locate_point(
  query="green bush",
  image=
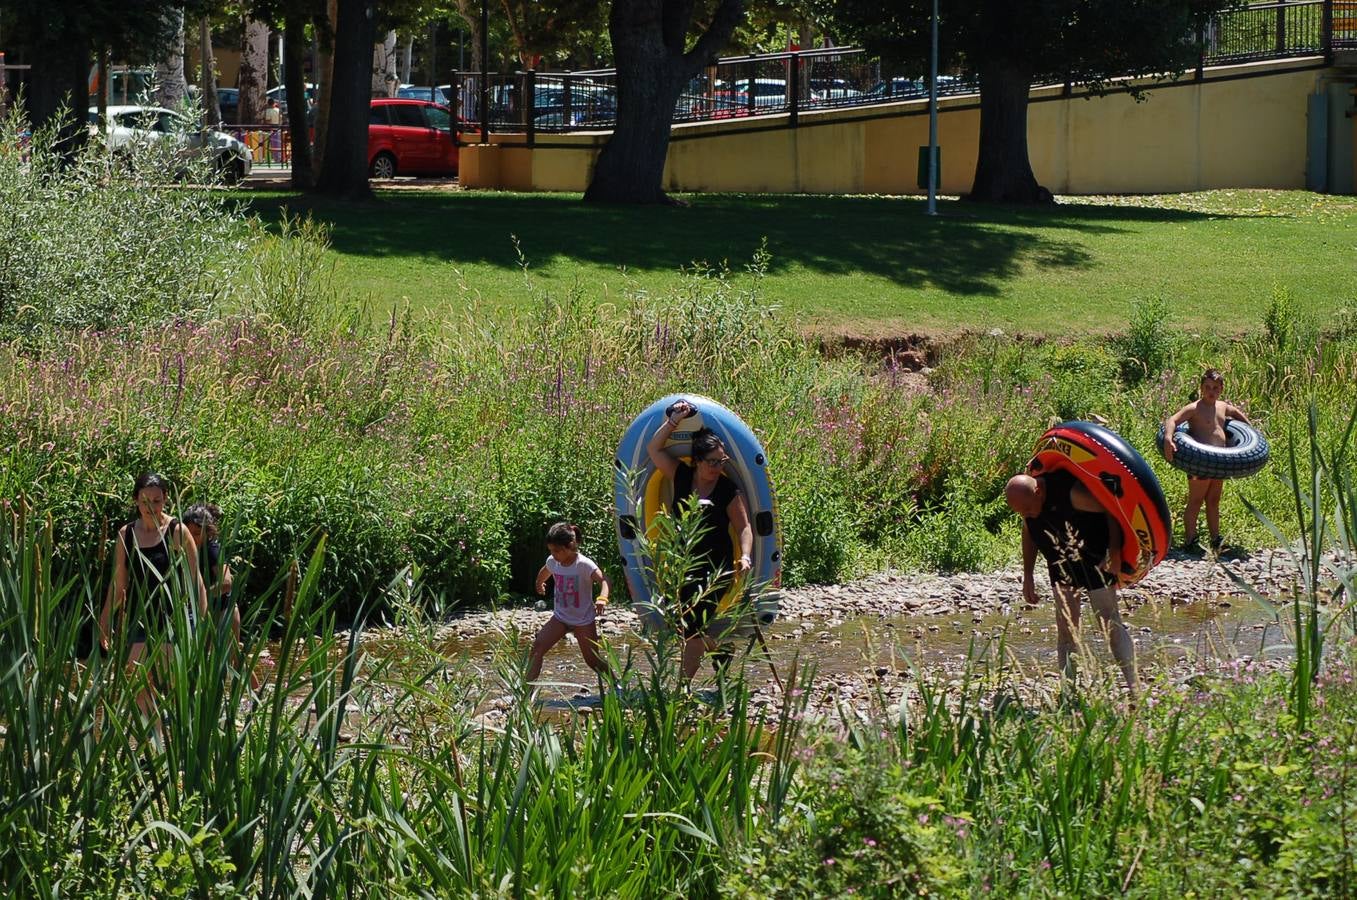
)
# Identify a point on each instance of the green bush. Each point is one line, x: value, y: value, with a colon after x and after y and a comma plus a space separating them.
x: 820, y: 529
x: 953, y: 537
x: 857, y: 829
x: 1281, y: 321
x: 1149, y: 346
x: 89, y: 245
x: 1083, y: 380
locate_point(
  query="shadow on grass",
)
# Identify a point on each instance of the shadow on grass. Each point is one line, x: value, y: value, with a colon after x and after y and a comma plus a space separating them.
x: 969, y: 249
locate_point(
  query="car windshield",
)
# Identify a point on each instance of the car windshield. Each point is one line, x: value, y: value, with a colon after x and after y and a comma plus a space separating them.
x: 415, y: 92
x: 141, y: 119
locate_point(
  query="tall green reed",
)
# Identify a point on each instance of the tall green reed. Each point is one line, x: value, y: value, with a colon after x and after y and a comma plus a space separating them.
x: 1323, y: 498
x: 215, y: 791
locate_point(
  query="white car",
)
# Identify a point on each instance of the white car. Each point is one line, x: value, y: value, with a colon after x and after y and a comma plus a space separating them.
x: 148, y: 126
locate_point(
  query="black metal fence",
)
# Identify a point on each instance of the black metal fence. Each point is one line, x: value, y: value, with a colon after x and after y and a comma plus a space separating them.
x: 735, y: 87
x: 1266, y: 31
x: 792, y: 83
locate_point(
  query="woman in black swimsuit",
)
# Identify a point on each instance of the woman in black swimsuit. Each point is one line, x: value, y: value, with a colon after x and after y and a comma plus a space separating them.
x: 723, y: 509
x: 141, y: 597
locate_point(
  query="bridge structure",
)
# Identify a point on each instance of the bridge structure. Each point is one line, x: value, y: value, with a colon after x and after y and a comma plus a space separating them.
x: 1269, y: 104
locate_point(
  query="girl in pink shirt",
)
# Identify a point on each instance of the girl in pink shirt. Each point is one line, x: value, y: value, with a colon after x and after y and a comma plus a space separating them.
x: 573, y: 575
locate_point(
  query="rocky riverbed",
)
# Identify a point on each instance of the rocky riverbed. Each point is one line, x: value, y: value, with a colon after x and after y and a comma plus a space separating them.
x: 872, y: 639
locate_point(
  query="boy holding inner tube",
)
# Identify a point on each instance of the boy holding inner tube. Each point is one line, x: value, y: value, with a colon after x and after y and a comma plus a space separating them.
x: 1072, y: 530
x: 1205, y: 418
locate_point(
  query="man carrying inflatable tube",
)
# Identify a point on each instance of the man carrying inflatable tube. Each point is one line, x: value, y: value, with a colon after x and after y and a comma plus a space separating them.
x: 1076, y: 535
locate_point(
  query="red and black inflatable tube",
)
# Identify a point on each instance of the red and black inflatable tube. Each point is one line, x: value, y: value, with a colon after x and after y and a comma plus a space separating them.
x: 1119, y: 478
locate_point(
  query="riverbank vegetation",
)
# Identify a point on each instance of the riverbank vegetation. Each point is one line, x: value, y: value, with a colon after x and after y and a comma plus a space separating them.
x: 354, y: 774
x: 448, y: 448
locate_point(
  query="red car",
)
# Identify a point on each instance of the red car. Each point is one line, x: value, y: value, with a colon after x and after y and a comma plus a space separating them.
x: 410, y: 137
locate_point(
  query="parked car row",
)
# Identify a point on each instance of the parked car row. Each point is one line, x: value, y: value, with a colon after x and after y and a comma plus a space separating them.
x: 410, y: 136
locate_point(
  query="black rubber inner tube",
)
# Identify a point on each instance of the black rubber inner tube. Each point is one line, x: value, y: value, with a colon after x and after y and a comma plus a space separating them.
x: 1245, y: 455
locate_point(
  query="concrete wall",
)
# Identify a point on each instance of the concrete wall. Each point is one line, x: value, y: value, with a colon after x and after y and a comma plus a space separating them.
x: 1242, y: 126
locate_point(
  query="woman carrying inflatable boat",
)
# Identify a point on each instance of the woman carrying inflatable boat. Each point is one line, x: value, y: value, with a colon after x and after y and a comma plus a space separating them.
x: 723, y: 511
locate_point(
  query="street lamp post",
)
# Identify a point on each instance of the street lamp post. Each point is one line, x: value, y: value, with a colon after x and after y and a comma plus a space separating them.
x: 485, y: 73
x: 933, y: 118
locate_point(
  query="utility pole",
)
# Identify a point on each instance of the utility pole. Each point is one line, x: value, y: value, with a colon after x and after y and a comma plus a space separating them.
x: 485, y: 73
x: 933, y: 118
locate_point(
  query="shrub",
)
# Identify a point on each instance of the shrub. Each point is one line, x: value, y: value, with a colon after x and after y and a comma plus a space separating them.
x: 858, y: 829
x: 954, y: 536
x: 1148, y: 347
x: 1083, y: 380
x: 94, y: 246
x: 820, y: 528
x: 1281, y: 321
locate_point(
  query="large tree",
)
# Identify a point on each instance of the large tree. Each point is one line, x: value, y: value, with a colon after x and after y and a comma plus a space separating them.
x: 254, y: 70
x: 344, y: 168
x: 1012, y: 44
x: 59, y: 38
x: 655, y: 62
x: 171, y: 87
x: 550, y: 30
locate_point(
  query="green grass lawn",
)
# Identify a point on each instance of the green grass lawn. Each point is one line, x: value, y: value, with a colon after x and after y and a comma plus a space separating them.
x: 870, y: 266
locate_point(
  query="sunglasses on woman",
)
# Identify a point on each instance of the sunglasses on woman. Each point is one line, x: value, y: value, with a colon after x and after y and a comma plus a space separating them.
x: 716, y: 461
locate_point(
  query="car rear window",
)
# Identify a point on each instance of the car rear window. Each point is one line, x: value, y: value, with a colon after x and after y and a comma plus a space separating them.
x: 377, y: 116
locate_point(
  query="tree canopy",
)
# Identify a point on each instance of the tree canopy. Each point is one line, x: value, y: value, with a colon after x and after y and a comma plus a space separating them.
x: 60, y: 38
x: 1012, y: 44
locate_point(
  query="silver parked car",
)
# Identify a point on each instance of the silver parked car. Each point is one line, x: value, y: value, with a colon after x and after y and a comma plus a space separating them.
x: 150, y: 126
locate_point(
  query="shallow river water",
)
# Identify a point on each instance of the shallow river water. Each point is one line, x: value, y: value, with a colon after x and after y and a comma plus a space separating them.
x: 870, y: 640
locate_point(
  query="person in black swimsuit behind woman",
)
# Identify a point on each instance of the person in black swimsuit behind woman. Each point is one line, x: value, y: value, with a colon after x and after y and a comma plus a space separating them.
x: 142, y: 568
x: 723, y: 507
x: 203, y: 522
x: 1073, y: 531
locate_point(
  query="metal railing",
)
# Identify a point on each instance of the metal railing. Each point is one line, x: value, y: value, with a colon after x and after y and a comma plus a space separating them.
x: 1266, y: 31
x: 789, y: 84
x: 735, y: 87
x: 1341, y: 25
x: 270, y: 145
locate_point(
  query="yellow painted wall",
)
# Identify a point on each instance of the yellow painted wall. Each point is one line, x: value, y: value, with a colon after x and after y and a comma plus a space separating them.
x: 1244, y: 126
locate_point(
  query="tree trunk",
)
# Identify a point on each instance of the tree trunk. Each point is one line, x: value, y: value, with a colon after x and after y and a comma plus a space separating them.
x: 345, y: 172
x: 325, y: 77
x: 1003, y: 171
x: 169, y: 70
x: 58, y: 91
x: 630, y: 168
x: 384, y: 67
x: 254, y: 72
x: 208, y: 74
x: 654, y: 64
x: 294, y: 72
